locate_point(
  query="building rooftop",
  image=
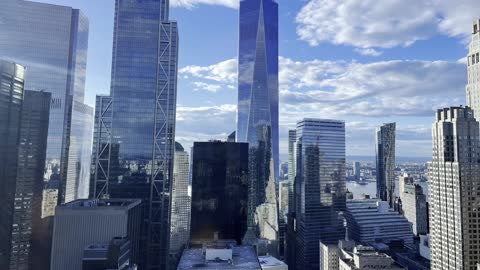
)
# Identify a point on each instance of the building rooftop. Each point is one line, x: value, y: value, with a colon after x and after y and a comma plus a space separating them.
x: 242, y: 258
x: 269, y: 262
x: 366, y: 257
x: 101, y: 203
x: 372, y: 212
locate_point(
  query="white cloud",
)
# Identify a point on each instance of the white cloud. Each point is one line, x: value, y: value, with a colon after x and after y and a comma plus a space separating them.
x: 209, y: 112
x: 383, y: 24
x: 369, y: 52
x: 397, y: 87
x: 192, y: 3
x: 206, y: 86
x: 372, y: 92
x: 379, y: 89
x: 225, y: 71
x: 204, y: 123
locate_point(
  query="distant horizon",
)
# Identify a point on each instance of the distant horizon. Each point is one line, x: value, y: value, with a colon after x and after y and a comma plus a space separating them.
x: 399, y: 159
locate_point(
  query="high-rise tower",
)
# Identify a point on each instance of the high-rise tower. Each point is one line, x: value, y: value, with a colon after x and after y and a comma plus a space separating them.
x: 181, y: 203
x: 257, y: 118
x: 320, y: 190
x: 454, y: 181
x: 473, y: 67
x: 12, y: 80
x: 135, y: 126
x: 385, y: 159
x: 51, y: 41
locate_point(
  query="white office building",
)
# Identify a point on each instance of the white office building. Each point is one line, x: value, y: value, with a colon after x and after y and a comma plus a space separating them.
x: 473, y: 68
x: 454, y: 183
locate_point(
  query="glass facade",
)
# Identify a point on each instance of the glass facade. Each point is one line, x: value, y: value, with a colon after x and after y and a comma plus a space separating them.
x: 320, y: 188
x: 52, y: 42
x: 257, y: 118
x: 135, y: 126
x: 32, y: 149
x: 219, y: 190
x: 12, y: 80
x: 385, y: 160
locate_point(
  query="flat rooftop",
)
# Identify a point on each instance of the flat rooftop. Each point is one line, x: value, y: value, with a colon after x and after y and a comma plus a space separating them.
x: 244, y: 258
x: 269, y: 262
x: 95, y: 203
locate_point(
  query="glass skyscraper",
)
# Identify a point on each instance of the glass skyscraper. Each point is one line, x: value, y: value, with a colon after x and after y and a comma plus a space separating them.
x: 320, y: 189
x: 12, y: 81
x: 135, y: 126
x: 219, y: 190
x: 385, y: 161
x: 32, y: 150
x: 51, y: 41
x: 257, y: 118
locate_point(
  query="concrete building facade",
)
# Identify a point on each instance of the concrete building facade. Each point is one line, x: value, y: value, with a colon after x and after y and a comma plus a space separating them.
x: 454, y: 178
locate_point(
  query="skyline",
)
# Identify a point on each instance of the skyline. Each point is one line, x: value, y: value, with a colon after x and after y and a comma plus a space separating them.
x: 314, y: 80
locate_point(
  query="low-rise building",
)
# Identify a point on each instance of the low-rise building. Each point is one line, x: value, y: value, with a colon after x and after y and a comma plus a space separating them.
x: 366, y: 258
x: 80, y: 223
x: 223, y: 255
x: 113, y: 256
x: 370, y: 221
x: 271, y: 263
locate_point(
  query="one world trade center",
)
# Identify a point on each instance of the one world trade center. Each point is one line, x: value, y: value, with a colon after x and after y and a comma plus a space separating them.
x: 257, y: 118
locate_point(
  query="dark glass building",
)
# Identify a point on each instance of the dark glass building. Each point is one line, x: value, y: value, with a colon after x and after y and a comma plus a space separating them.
x: 135, y: 126
x: 23, y: 129
x: 29, y: 186
x: 11, y: 100
x: 385, y: 161
x: 257, y: 118
x: 320, y: 191
x: 219, y: 190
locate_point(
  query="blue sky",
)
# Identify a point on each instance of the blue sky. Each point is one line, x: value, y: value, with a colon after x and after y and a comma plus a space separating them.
x: 363, y: 61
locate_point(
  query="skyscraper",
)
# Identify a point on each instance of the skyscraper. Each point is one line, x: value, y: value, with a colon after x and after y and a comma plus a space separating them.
x: 385, y: 160
x: 181, y: 202
x: 356, y: 170
x: 32, y: 149
x: 257, y: 118
x: 320, y: 189
x: 454, y: 181
x: 283, y: 200
x: 292, y: 165
x: 473, y: 67
x: 414, y: 205
x: 135, y: 126
x: 219, y: 190
x: 51, y: 41
x: 12, y: 81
